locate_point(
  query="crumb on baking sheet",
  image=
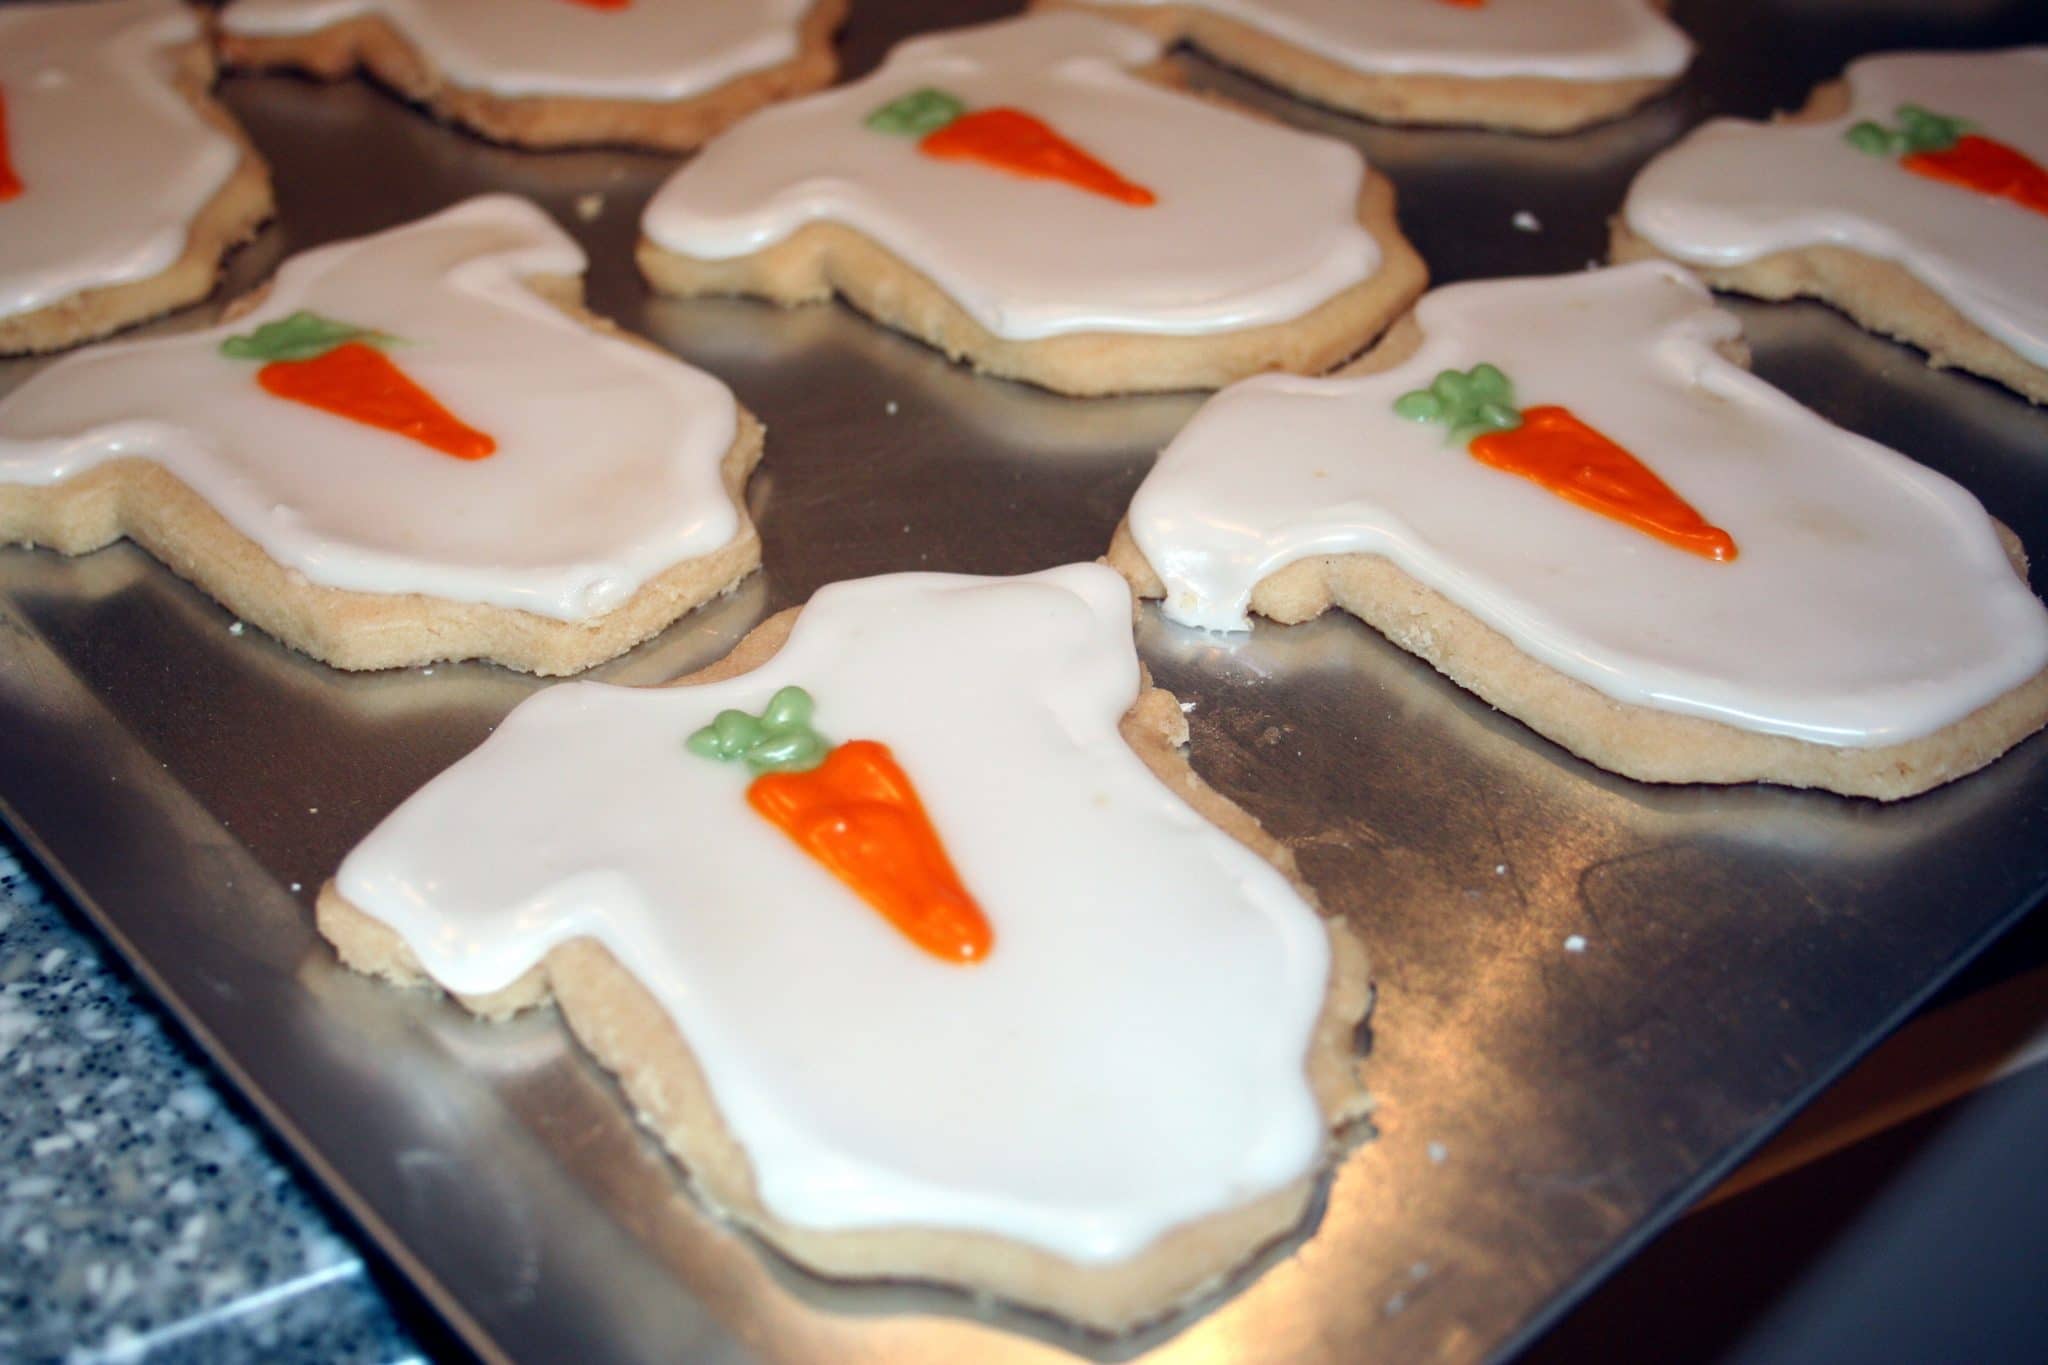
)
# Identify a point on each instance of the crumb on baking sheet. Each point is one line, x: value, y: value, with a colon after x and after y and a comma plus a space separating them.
x: 589, y: 206
x: 1526, y: 221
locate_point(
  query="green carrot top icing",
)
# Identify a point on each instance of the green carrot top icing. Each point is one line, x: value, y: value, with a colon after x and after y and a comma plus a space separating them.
x: 779, y: 740
x: 1468, y: 402
x: 1919, y: 130
x: 917, y: 113
x: 302, y: 336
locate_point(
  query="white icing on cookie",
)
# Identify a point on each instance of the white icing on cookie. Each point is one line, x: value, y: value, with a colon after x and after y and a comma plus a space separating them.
x: 607, y: 468
x: 1732, y: 191
x: 1870, y: 601
x: 1255, y: 223
x: 114, y: 162
x: 1570, y: 40
x: 1130, y: 1055
x: 649, y: 50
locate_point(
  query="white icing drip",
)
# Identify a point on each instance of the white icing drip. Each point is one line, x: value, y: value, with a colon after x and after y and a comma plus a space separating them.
x: 1734, y: 191
x: 650, y: 50
x: 115, y: 163
x: 607, y: 468
x: 1870, y: 602
x: 1572, y: 40
x: 1255, y: 223
x: 1130, y: 1055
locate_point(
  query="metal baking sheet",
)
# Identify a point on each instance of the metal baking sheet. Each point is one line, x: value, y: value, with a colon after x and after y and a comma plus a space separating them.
x: 1543, y: 1111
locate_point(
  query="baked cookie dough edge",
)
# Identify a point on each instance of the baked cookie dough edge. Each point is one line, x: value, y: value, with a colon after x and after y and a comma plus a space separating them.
x: 1878, y: 295
x: 242, y: 205
x: 822, y: 259
x: 1514, y: 104
x: 356, y: 631
x: 628, y: 1033
x: 540, y: 122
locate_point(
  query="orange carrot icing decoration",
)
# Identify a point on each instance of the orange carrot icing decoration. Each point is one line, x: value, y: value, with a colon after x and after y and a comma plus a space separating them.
x: 341, y: 369
x: 852, y: 808
x: 1940, y: 148
x: 1550, y: 446
x: 10, y: 183
x: 1004, y: 138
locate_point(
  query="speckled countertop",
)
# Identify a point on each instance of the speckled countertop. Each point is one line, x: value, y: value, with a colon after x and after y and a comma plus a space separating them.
x: 140, y: 1216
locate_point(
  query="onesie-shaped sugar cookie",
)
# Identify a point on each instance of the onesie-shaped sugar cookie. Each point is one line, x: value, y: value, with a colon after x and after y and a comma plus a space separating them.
x: 1912, y: 195
x: 664, y: 74
x: 1020, y: 197
x: 416, y: 446
x: 1564, y: 495
x: 1533, y: 66
x: 911, y: 932
x: 122, y: 184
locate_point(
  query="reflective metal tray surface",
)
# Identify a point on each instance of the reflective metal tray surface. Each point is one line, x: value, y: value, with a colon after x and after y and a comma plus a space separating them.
x: 1542, y: 1111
